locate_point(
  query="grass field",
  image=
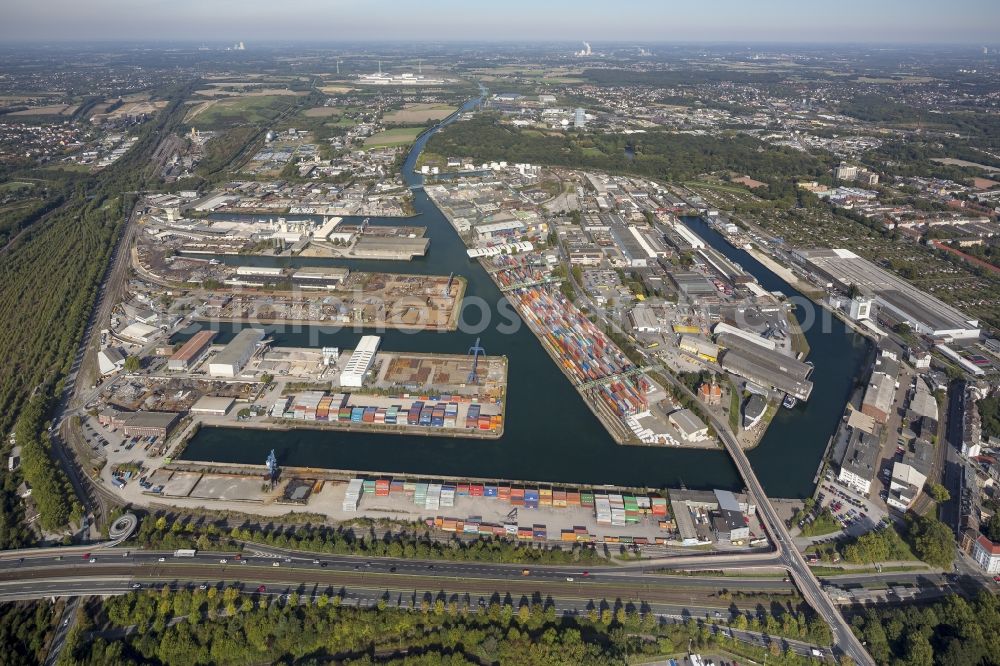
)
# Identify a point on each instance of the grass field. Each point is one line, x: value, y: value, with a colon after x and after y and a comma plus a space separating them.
x: 402, y: 136
x: 322, y: 112
x: 237, y: 110
x: 419, y: 113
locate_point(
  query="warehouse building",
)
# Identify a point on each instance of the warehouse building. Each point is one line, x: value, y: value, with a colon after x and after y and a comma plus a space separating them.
x: 230, y: 361
x: 924, y: 313
x: 693, y: 285
x: 702, y: 349
x: 751, y: 366
x: 139, y: 424
x: 110, y: 360
x: 191, y: 352
x: 139, y: 332
x: 212, y: 405
x: 360, y: 362
x: 320, y: 277
x: 723, y: 329
x: 860, y: 461
x: 644, y: 319
x: 689, y: 426
x: 393, y: 247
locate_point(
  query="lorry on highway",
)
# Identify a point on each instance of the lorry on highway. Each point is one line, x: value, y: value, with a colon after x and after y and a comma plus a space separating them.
x: 185, y: 552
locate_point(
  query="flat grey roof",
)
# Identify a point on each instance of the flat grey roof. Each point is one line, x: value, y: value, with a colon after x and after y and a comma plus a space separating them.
x: 240, y: 347
x: 861, y: 456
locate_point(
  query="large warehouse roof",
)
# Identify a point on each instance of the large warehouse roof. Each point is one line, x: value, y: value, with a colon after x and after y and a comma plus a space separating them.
x: 928, y: 314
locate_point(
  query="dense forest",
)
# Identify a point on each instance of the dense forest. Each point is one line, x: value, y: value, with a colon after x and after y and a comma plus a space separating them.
x: 25, y: 629
x: 234, y: 628
x: 48, y: 283
x: 953, y: 632
x: 658, y: 154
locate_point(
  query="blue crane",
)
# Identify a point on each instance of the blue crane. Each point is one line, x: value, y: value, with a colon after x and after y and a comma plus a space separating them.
x: 475, y: 350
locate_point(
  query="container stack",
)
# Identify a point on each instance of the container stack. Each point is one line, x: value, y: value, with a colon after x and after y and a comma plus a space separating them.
x: 545, y: 497
x: 352, y: 496
x: 420, y: 494
x: 369, y: 486
x: 617, y: 510
x: 433, y: 502
x: 447, y: 496
x: 531, y: 498
x: 602, y: 509
x: 381, y: 487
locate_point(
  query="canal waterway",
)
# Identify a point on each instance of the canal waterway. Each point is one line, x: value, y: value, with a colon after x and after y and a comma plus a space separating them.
x: 550, y: 434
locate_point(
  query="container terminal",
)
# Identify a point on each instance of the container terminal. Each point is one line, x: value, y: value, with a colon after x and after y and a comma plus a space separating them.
x: 250, y: 383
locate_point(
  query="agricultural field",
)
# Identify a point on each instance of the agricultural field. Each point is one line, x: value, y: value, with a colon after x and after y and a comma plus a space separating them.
x: 401, y: 136
x: 322, y: 112
x: 418, y: 113
x: 48, y: 110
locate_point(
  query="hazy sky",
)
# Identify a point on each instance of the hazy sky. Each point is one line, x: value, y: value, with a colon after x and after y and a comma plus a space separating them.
x: 953, y: 21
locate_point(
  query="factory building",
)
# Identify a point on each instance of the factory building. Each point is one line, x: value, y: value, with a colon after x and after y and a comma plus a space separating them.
x: 860, y: 461
x: 895, y: 297
x: 360, y: 362
x: 230, y: 361
x: 191, y: 352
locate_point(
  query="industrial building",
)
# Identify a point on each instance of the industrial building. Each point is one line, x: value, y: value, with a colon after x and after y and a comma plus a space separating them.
x: 230, y: 361
x: 924, y: 313
x: 320, y: 277
x: 743, y: 356
x: 110, y: 360
x: 693, y: 285
x: 191, y: 352
x: 212, y: 405
x: 860, y: 461
x: 730, y: 523
x: 703, y: 349
x: 139, y: 332
x: 689, y: 236
x: 688, y: 425
x: 390, y: 247
x: 360, y: 362
x: 139, y: 424
x: 644, y: 320
x: 724, y: 331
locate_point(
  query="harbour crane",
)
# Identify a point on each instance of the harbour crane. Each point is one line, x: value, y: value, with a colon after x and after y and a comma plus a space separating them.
x: 475, y: 350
